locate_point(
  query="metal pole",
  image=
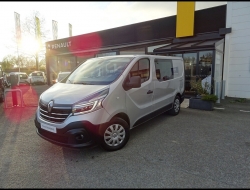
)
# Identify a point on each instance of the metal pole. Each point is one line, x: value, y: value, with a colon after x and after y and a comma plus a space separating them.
x: 218, y: 89
x: 37, y: 66
x: 223, y: 90
x: 18, y: 57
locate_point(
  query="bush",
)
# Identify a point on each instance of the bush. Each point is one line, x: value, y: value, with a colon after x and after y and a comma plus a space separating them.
x: 197, y: 86
x: 203, y: 92
x: 209, y: 97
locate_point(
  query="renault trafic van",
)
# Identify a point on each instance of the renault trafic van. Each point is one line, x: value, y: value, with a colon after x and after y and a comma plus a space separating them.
x: 105, y: 97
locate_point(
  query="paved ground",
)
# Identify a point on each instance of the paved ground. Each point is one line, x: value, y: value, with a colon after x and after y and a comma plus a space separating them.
x: 196, y: 149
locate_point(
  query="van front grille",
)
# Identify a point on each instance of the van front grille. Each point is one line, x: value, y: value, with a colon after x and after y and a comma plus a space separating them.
x: 57, y: 115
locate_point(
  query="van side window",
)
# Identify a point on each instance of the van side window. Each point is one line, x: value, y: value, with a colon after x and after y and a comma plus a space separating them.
x: 164, y: 69
x: 141, y: 68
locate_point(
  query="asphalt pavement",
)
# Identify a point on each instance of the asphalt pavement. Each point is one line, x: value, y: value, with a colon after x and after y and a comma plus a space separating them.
x: 195, y: 149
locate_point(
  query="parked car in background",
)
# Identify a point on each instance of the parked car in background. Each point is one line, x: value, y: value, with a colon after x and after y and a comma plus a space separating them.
x: 23, y: 77
x: 37, y: 77
x: 1, y: 85
x: 6, y: 78
x: 61, y: 76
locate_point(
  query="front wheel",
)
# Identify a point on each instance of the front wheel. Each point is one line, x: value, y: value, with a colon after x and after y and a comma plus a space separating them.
x: 114, y: 135
x: 176, y: 106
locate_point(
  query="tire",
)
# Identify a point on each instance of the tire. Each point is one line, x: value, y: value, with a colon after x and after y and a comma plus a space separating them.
x: 176, y: 106
x: 110, y: 133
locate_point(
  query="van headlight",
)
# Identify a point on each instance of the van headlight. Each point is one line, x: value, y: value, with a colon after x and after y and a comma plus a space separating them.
x: 90, y: 104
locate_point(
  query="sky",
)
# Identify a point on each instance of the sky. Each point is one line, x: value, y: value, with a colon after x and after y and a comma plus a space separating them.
x: 85, y: 17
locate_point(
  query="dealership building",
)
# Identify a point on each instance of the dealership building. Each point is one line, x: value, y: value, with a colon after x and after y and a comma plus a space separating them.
x: 213, y: 42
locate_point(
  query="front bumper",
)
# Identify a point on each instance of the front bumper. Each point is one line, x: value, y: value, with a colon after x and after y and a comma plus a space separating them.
x: 78, y: 134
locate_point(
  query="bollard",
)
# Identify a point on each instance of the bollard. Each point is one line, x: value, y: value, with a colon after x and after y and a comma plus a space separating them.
x: 14, y: 82
x: 16, y: 91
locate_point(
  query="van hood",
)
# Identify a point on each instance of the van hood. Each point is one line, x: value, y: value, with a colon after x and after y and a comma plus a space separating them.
x: 63, y: 93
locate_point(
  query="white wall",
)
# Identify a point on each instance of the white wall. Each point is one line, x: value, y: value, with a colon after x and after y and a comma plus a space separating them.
x: 237, y: 50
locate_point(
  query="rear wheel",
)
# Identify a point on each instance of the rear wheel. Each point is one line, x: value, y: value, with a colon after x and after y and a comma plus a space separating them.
x: 114, y: 135
x: 176, y: 106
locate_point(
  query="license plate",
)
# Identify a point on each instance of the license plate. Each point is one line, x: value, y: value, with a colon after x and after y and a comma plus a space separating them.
x: 48, y: 128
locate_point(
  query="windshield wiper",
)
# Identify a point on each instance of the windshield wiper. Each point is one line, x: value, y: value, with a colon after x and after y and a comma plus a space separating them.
x: 70, y: 81
x: 84, y: 83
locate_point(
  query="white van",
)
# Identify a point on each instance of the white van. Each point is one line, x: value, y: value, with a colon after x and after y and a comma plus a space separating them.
x: 105, y: 97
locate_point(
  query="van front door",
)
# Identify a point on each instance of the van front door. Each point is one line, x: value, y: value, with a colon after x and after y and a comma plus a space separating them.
x: 139, y: 100
x: 164, y: 88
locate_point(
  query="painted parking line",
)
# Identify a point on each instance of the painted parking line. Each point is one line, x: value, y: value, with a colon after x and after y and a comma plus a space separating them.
x: 244, y: 111
x: 219, y: 108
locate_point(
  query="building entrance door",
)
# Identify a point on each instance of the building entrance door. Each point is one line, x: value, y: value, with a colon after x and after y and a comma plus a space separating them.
x: 198, y: 68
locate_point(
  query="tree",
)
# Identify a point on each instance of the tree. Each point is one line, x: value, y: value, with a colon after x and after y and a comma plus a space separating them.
x: 11, y: 61
x: 28, y: 29
x: 6, y: 65
x: 34, y: 26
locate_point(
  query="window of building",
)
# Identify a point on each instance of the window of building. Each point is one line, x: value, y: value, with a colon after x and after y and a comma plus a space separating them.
x: 164, y: 69
x: 66, y: 63
x: 205, y: 63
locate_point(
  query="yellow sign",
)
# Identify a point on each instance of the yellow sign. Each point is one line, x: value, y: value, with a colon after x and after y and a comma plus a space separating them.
x: 185, y: 18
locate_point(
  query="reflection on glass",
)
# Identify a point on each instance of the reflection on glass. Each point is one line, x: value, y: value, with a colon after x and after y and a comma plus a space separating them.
x: 190, y: 69
x: 52, y: 68
x: 205, y: 64
x: 99, y: 71
x: 66, y: 63
x: 176, y: 55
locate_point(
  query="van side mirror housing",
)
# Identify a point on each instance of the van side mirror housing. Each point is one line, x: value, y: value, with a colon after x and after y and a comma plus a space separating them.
x: 133, y: 82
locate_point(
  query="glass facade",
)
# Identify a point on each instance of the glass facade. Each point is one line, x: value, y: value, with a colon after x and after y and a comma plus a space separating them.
x: 63, y: 64
x: 190, y: 61
x: 205, y: 64
x: 66, y: 63
x: 52, y: 69
x: 198, y: 66
x: 205, y: 68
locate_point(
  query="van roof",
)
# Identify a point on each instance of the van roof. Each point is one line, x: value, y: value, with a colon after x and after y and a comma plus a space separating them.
x: 153, y: 56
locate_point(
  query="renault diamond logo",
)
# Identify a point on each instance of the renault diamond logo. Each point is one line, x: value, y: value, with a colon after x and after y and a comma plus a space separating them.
x: 50, y: 106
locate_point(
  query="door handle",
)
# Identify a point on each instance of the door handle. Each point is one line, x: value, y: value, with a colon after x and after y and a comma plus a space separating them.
x: 150, y: 92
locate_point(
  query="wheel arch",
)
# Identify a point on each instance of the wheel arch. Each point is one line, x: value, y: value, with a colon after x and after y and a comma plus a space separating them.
x: 123, y: 116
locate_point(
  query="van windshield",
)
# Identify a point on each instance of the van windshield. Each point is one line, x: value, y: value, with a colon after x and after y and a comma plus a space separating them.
x: 99, y: 71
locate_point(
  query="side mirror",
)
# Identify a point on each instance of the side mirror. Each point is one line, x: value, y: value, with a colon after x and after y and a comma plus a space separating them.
x: 133, y: 82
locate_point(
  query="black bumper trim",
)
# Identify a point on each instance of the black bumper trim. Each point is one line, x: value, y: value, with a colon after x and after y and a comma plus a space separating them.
x: 78, y: 134
x: 88, y: 144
